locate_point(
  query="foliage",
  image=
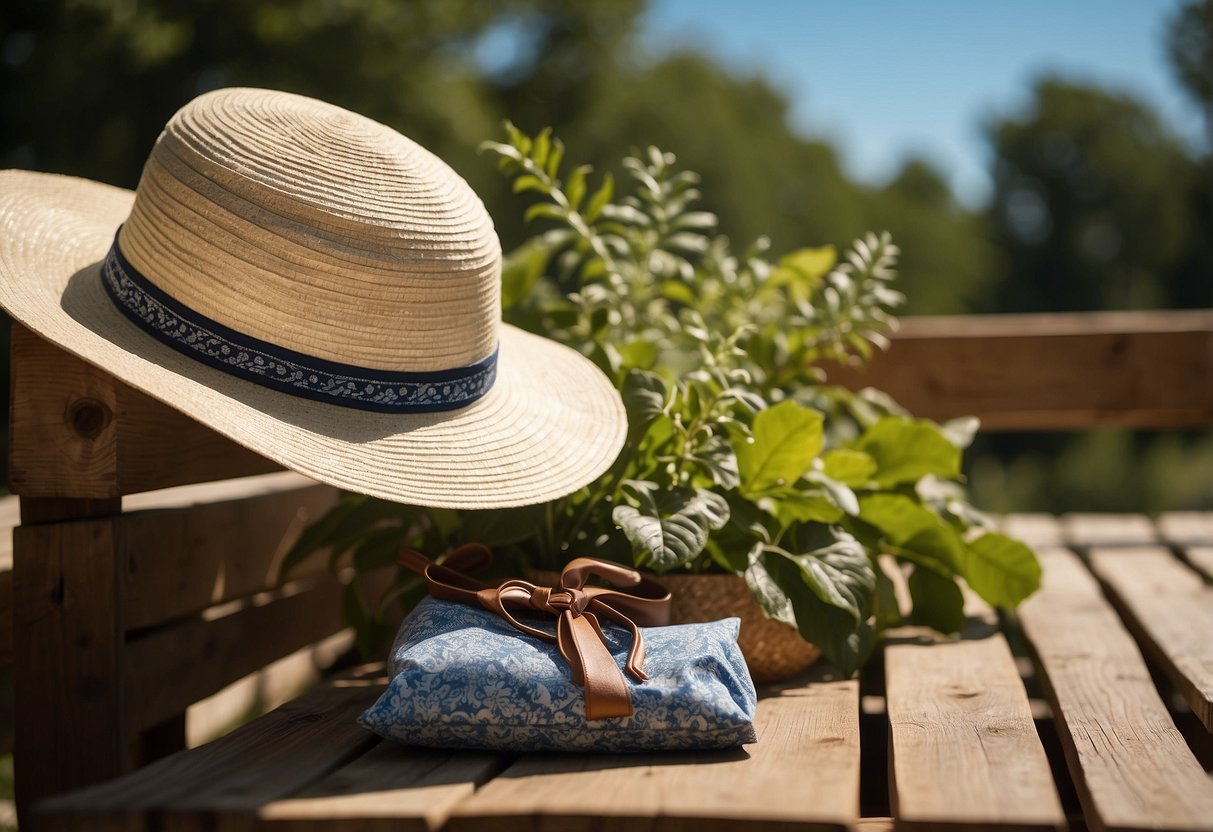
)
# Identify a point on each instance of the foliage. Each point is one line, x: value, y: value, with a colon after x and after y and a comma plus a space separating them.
x: 738, y: 457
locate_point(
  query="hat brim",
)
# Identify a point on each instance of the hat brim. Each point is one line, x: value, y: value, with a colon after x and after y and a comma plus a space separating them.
x: 551, y: 424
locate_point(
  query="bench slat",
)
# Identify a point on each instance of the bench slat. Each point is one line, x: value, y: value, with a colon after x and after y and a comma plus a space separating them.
x: 1186, y: 527
x: 391, y: 787
x: 965, y: 753
x: 1108, y: 530
x: 176, y: 665
x: 1131, y: 766
x: 1027, y: 372
x: 1033, y: 529
x: 1201, y: 557
x: 181, y: 560
x: 222, y: 784
x: 1169, y: 609
x: 803, y: 773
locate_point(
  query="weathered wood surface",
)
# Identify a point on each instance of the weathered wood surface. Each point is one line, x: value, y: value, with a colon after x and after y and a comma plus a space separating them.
x: 180, y: 561
x: 225, y: 783
x: 69, y: 657
x: 202, y: 655
x: 1186, y: 528
x: 1025, y: 372
x: 802, y: 774
x: 1090, y: 529
x: 1130, y: 765
x: 78, y: 432
x: 1169, y: 610
x: 965, y: 753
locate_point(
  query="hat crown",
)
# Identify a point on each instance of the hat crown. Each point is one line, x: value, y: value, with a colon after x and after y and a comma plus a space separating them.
x: 317, y: 230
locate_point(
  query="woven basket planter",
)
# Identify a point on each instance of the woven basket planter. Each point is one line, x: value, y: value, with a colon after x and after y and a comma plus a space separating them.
x: 774, y: 651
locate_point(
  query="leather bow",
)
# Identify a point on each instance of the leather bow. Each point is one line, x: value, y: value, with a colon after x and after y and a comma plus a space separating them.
x: 577, y: 608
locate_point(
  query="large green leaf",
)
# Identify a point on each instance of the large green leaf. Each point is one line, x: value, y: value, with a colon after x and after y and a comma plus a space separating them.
x: 848, y: 466
x: 844, y: 641
x: 918, y: 533
x: 671, y: 526
x: 787, y: 438
x: 643, y: 397
x: 938, y: 601
x: 774, y: 601
x: 1000, y: 569
x: 802, y: 507
x: 906, y: 450
x: 838, y: 571
x: 716, y: 457
x: 898, y: 516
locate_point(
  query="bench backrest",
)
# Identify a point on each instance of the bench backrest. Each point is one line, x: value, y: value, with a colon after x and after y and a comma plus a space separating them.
x: 128, y: 609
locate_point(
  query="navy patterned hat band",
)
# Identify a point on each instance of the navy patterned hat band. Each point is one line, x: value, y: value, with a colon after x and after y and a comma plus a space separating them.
x: 281, y: 369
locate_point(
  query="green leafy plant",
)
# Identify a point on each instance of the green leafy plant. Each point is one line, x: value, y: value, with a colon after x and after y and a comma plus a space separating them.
x: 739, y: 456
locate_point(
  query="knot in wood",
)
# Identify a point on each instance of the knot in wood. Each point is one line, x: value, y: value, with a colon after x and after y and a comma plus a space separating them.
x: 88, y: 417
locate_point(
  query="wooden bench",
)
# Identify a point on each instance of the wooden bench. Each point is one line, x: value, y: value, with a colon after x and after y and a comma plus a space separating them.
x: 127, y: 614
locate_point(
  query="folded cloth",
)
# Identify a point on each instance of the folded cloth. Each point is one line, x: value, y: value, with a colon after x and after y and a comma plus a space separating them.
x: 463, y: 677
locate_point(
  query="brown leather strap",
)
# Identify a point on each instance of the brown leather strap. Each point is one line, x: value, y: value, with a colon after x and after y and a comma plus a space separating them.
x: 577, y: 608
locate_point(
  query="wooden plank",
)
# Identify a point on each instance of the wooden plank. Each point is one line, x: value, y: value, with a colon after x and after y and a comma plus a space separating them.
x: 965, y: 753
x: 1201, y: 557
x: 1130, y: 766
x: 77, y: 432
x: 201, y: 656
x: 179, y: 561
x: 1090, y: 529
x: 803, y: 773
x: 1169, y: 609
x: 10, y: 516
x: 63, y: 439
x: 69, y: 658
x: 224, y: 784
x: 391, y: 788
x: 1034, y: 529
x: 1027, y: 372
x: 1186, y: 528
x: 275, y: 684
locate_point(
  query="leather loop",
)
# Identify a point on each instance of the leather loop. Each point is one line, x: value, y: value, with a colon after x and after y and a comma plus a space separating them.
x: 578, y: 635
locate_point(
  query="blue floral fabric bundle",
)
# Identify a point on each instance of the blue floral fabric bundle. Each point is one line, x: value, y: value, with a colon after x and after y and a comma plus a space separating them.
x: 463, y: 677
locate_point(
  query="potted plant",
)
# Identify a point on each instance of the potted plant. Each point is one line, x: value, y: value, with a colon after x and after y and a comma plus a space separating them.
x: 741, y: 461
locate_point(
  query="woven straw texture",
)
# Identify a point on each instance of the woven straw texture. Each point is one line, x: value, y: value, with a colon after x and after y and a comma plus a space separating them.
x: 773, y: 650
x: 326, y: 233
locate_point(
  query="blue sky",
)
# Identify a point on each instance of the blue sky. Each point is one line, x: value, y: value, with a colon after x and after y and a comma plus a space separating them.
x: 883, y: 79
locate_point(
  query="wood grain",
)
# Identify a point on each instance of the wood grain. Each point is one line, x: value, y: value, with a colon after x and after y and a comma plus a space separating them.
x: 1028, y: 372
x: 965, y: 753
x: 1130, y: 765
x: 1169, y: 609
x: 803, y: 773
x: 179, y: 561
x: 223, y: 784
x: 391, y: 788
x: 1096, y: 529
x: 1186, y: 528
x: 1034, y: 529
x: 173, y: 666
x: 78, y: 432
x: 1201, y: 557
x: 69, y: 658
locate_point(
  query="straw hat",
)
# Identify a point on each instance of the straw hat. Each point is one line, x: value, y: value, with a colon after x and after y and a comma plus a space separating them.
x: 320, y: 289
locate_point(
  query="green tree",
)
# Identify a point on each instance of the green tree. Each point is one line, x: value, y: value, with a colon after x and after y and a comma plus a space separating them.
x: 1091, y: 203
